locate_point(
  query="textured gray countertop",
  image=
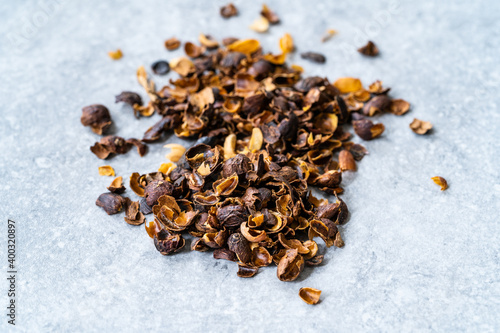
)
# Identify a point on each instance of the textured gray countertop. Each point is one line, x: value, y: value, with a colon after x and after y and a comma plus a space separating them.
x: 416, y: 258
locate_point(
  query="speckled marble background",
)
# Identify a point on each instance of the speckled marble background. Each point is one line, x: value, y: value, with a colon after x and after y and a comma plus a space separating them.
x: 416, y: 258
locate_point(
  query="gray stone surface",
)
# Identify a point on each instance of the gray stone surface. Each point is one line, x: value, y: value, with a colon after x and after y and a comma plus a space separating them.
x: 416, y: 258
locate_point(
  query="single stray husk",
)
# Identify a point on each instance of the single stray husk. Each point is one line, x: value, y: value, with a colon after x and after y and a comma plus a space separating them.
x: 310, y: 295
x: 441, y: 182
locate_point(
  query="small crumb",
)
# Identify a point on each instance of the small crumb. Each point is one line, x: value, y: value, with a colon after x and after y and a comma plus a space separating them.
x: 441, y: 182
x: 115, y: 55
x: 106, y: 170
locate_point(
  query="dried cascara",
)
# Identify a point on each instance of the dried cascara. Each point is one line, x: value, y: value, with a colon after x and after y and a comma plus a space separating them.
x: 264, y: 136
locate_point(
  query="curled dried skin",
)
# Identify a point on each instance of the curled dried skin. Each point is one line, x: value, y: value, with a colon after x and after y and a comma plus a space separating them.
x: 325, y: 229
x: 286, y: 43
x: 135, y: 185
x: 290, y: 265
x: 167, y: 168
x: 252, y: 235
x: 330, y: 179
x: 129, y: 97
x: 228, y: 11
x: 106, y: 170
x: 224, y: 187
x: 144, y: 111
x: 133, y: 214
x: 377, y: 104
x: 247, y: 272
x: 109, y: 145
x: 377, y: 88
x: 261, y: 256
x: 366, y: 130
x: 230, y: 146
x: 167, y: 243
x: 399, y: 107
x: 111, y: 203
x: 261, y: 25
x: 348, y: 84
x: 269, y: 14
x: 116, y: 185
x: 232, y: 216
x: 239, y: 245
x: 370, y: 49
x: 152, y: 228
x: 420, y: 127
x: 358, y: 151
x: 208, y: 41
x: 292, y: 244
x: 346, y: 161
x: 239, y: 164
x: 256, y: 140
x: 312, y: 246
x: 172, y: 44
x: 246, y: 46
x: 225, y: 254
x: 199, y: 245
x: 176, y: 151
x: 141, y: 147
x: 315, y: 261
x: 97, y: 117
x: 441, y: 182
x: 310, y: 295
x: 146, y: 83
x: 192, y: 50
x: 156, y: 189
x: 183, y: 66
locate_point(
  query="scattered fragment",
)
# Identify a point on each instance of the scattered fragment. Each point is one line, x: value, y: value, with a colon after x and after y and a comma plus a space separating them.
x: 208, y: 41
x: 420, y: 127
x: 246, y: 46
x: 348, y: 84
x: 286, y: 43
x: 399, y: 107
x: 192, y: 50
x: 106, y: 170
x: 97, y: 117
x: 310, y: 295
x: 115, y: 55
x: 228, y: 11
x: 111, y: 203
x: 133, y: 215
x: 112, y: 144
x: 128, y: 97
x: 269, y: 15
x: 441, y: 182
x: 176, y: 151
x: 172, y: 44
x: 160, y: 67
x: 377, y: 89
x: 116, y: 186
x: 313, y: 56
x: 146, y: 83
x: 370, y: 49
x: 328, y: 35
x: 346, y: 161
x: 182, y: 66
x: 260, y: 25
x: 366, y: 130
